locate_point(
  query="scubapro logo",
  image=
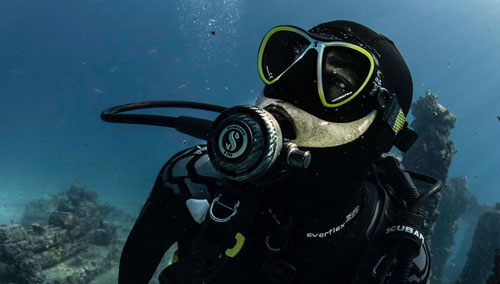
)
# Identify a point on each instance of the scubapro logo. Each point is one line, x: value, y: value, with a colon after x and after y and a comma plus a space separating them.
x: 233, y: 141
x: 405, y: 229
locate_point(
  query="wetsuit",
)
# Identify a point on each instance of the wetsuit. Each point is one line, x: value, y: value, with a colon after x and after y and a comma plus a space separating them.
x: 307, y: 229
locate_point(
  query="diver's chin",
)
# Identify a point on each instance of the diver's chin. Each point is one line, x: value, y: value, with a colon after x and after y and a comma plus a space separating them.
x: 344, y: 162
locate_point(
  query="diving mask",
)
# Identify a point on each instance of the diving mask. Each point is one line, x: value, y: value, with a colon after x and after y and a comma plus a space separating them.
x: 343, y: 69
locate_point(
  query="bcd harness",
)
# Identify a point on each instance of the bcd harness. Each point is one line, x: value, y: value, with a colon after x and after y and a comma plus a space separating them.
x: 234, y: 207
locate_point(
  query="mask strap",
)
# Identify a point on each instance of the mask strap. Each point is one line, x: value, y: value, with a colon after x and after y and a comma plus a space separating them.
x: 395, y: 118
x: 406, y: 138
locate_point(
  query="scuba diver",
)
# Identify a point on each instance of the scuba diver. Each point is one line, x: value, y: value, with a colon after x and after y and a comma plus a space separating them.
x: 294, y: 189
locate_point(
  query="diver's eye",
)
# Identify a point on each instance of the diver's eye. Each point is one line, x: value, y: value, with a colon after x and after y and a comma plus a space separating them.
x: 340, y: 82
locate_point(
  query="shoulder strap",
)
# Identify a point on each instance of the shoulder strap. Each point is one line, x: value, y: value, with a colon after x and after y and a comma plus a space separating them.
x: 405, y: 237
x: 402, y: 237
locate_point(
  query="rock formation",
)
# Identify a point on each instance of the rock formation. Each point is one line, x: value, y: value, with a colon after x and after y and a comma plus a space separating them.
x: 75, y: 245
x: 495, y: 276
x: 469, y: 220
x: 480, y: 257
x: 454, y: 200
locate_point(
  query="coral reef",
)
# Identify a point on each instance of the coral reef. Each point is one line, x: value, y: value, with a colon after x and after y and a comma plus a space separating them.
x: 433, y: 151
x: 480, y: 257
x: 77, y: 243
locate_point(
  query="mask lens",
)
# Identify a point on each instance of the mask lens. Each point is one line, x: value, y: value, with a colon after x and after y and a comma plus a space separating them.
x: 344, y: 73
x: 279, y: 50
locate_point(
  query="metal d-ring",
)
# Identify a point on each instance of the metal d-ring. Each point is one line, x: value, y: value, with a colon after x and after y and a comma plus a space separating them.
x: 222, y: 220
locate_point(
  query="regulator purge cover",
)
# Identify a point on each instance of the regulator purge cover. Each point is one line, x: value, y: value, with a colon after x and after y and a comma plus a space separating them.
x: 245, y: 142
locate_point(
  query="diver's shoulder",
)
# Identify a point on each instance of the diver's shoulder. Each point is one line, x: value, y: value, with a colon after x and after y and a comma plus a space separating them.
x: 191, y: 169
x: 194, y: 160
x: 189, y: 152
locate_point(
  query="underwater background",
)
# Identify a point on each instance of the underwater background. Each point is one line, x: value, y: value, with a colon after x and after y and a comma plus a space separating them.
x: 63, y: 62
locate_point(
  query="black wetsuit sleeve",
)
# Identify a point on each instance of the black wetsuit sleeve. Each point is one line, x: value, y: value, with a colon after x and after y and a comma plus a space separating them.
x: 155, y: 230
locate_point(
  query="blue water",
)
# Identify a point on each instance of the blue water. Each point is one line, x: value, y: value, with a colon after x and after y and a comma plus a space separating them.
x: 63, y: 62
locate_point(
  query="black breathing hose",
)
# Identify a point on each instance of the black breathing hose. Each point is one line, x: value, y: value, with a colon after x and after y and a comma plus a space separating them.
x: 193, y: 126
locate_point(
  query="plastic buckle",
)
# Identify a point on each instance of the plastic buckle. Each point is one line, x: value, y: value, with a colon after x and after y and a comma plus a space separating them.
x: 222, y: 207
x: 382, y: 97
